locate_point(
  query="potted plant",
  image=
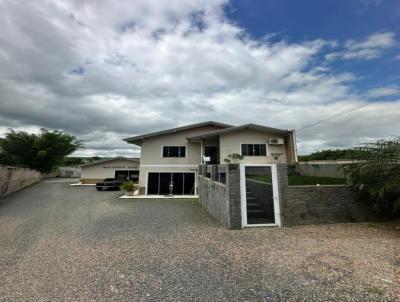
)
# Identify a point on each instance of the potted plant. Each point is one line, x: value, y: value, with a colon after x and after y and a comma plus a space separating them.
x: 129, y: 186
x: 234, y: 157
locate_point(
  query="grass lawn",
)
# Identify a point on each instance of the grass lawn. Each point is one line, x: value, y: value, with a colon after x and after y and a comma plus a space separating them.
x: 296, y: 180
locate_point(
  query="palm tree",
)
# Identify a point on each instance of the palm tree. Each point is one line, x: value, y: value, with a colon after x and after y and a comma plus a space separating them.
x: 375, y: 175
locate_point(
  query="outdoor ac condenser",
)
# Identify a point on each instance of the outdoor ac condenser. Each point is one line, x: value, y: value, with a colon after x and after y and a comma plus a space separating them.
x: 276, y: 141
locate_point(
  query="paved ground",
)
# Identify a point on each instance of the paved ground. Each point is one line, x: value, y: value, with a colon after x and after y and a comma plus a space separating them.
x: 72, y: 243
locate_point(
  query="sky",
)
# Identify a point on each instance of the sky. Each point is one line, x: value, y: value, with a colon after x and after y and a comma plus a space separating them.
x: 107, y: 70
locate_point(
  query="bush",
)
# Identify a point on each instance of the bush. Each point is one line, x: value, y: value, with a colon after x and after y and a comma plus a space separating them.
x: 129, y: 186
x: 376, y: 175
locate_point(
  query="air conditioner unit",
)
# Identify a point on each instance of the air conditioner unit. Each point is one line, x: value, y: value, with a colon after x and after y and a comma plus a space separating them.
x: 276, y: 141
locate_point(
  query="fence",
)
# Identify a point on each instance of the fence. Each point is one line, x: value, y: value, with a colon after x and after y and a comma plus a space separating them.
x: 220, y: 194
x: 13, y: 179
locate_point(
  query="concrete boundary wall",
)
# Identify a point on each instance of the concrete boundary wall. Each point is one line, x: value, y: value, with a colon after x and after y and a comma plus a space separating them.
x: 301, y: 205
x: 222, y: 201
x: 13, y: 179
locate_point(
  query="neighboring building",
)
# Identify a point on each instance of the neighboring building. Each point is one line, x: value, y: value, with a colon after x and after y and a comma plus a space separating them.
x: 118, y: 167
x: 69, y: 172
x: 173, y: 155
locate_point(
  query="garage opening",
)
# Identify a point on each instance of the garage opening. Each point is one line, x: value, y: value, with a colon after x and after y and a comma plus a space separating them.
x: 125, y: 175
x: 167, y: 183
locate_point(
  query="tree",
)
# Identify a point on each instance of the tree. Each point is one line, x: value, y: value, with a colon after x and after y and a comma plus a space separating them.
x: 72, y: 161
x: 43, y: 152
x: 376, y: 175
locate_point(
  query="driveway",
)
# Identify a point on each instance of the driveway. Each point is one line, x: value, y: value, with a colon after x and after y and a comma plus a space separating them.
x: 63, y: 243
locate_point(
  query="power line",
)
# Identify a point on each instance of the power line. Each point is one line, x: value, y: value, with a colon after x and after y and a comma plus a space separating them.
x: 347, y: 111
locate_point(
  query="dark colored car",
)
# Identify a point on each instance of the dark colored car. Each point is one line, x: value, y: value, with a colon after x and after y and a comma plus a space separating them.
x: 109, y: 184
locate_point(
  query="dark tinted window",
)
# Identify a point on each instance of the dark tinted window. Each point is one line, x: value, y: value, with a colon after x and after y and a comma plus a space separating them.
x: 174, y: 151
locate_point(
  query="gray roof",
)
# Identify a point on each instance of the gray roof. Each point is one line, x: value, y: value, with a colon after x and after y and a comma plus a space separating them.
x: 236, y: 128
x: 136, y: 160
x: 139, y: 139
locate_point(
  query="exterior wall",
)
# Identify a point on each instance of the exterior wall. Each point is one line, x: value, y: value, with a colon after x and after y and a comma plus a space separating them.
x: 302, y: 205
x: 14, y: 179
x: 97, y: 172
x: 231, y: 143
x: 69, y: 172
x: 299, y: 205
x: 222, y: 201
x: 214, y: 197
x: 320, y: 170
x: 152, y: 160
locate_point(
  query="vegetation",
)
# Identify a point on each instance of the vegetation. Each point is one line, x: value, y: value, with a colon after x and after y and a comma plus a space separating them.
x: 43, y: 152
x: 234, y: 157
x: 376, y: 177
x: 298, y: 180
x: 329, y: 155
x: 129, y: 186
x: 72, y: 161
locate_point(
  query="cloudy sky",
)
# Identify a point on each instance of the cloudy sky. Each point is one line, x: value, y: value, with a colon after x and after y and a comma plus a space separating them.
x: 105, y: 70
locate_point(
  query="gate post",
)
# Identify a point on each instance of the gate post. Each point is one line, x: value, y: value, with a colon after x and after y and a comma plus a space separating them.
x: 233, y: 186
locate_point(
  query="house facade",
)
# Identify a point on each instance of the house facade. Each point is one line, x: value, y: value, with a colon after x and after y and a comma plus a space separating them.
x: 170, y: 158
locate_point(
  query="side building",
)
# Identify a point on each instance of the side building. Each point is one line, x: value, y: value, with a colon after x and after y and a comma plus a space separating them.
x: 118, y: 167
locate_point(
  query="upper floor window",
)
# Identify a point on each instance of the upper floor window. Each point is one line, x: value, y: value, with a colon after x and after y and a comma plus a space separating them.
x: 174, y: 151
x: 254, y: 150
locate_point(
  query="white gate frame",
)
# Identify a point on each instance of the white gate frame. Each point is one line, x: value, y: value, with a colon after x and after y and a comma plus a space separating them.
x: 275, y: 190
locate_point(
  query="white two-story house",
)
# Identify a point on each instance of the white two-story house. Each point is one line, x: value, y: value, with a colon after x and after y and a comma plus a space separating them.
x: 172, y: 156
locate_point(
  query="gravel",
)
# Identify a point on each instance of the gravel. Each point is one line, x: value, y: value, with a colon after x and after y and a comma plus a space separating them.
x: 63, y: 243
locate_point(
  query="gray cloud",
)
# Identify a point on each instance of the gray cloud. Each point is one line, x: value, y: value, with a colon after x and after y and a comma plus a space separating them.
x: 107, y: 70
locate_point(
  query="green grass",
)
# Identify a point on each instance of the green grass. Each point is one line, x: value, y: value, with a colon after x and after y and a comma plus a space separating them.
x: 296, y: 180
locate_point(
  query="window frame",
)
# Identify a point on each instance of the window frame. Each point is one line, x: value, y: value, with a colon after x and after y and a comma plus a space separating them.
x: 179, y: 151
x: 253, y: 149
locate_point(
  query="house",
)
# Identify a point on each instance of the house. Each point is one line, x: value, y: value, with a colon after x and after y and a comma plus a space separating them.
x: 170, y: 158
x: 117, y: 167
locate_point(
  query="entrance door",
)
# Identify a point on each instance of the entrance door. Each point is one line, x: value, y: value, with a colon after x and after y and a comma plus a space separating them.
x: 165, y: 183
x: 122, y: 175
x: 260, y: 200
x: 212, y: 152
x: 125, y: 175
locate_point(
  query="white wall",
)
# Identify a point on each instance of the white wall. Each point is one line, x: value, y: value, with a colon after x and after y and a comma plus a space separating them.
x: 107, y: 169
x: 231, y: 143
x: 13, y: 179
x: 151, y: 153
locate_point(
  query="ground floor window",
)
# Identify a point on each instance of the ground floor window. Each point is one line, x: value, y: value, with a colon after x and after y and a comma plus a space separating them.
x: 176, y: 183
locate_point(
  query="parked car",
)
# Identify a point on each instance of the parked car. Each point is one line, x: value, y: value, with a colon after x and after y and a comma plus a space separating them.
x: 109, y: 184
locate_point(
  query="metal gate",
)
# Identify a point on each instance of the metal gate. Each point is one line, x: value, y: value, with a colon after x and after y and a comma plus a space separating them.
x: 260, y: 204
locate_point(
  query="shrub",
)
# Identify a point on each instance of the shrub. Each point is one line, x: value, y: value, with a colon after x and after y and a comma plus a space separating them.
x: 376, y: 175
x: 129, y: 186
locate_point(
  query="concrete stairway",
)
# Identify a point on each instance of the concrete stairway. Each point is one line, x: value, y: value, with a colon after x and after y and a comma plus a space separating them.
x: 254, y: 209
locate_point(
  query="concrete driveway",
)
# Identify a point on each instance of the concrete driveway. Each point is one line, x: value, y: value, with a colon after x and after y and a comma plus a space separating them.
x: 63, y: 243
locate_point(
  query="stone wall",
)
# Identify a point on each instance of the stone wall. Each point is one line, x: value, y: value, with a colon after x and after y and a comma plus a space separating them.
x: 13, y: 179
x: 213, y: 196
x: 302, y: 205
x: 222, y: 201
